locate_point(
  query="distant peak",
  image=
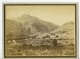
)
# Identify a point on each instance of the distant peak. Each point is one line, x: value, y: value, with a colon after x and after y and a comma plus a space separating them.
x: 25, y: 15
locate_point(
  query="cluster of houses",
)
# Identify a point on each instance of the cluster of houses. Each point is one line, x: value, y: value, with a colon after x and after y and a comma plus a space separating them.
x: 45, y: 36
x: 38, y: 37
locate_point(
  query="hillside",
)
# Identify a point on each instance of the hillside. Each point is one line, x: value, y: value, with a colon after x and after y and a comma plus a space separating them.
x: 14, y: 30
x: 35, y: 24
x: 67, y: 27
x: 67, y: 31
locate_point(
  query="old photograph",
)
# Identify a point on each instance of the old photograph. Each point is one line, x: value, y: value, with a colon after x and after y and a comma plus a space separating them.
x: 40, y: 30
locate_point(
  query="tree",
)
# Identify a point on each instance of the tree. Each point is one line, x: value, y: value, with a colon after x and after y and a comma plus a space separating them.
x: 54, y: 42
x: 28, y: 31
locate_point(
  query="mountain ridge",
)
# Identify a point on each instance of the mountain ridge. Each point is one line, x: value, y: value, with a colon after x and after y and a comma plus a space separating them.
x: 39, y: 25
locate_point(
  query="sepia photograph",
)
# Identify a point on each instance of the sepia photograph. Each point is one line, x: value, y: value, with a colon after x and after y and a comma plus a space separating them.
x: 40, y: 30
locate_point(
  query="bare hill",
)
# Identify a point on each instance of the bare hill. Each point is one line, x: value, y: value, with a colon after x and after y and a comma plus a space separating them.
x: 35, y: 24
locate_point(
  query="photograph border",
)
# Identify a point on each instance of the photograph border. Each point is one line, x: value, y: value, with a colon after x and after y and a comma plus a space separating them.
x: 76, y: 38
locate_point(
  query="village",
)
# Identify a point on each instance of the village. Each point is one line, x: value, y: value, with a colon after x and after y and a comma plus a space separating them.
x: 43, y: 39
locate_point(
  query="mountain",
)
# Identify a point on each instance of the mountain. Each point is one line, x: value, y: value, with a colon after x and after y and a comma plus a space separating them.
x: 35, y: 24
x: 67, y: 30
x: 14, y: 30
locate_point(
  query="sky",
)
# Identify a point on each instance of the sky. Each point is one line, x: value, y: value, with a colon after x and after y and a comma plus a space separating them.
x: 57, y: 14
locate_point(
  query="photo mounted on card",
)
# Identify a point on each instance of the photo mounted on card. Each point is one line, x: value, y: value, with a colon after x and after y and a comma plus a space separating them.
x: 40, y: 30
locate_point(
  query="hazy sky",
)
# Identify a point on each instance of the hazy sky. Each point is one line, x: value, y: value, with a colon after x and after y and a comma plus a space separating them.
x: 57, y: 14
